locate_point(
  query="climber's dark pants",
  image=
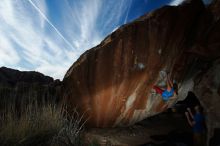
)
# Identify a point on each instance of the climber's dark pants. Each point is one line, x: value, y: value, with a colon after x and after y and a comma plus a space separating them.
x: 158, y: 89
x: 199, y: 139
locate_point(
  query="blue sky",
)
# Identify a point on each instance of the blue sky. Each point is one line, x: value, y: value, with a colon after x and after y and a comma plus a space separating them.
x: 49, y: 35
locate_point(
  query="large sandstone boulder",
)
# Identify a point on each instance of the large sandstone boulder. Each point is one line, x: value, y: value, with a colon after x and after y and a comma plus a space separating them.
x: 112, y: 82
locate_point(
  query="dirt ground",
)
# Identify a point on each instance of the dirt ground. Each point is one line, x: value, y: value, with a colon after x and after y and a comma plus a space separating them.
x: 162, y: 129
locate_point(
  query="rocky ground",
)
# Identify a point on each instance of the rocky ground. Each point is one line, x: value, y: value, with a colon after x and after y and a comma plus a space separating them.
x: 164, y: 129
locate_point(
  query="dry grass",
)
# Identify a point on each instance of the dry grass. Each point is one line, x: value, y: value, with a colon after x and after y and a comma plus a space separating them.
x: 46, y: 124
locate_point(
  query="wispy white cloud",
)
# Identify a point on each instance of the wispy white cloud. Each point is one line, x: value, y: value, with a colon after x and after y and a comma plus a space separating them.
x: 80, y: 20
x: 89, y: 21
x: 28, y: 37
x: 207, y: 1
x: 175, y: 2
x: 8, y: 53
x: 24, y: 39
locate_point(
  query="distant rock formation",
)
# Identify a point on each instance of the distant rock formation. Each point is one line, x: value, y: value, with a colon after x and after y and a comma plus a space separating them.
x: 25, y: 87
x: 112, y: 82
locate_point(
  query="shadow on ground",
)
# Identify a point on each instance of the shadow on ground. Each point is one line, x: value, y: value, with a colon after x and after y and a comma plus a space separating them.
x: 169, y: 128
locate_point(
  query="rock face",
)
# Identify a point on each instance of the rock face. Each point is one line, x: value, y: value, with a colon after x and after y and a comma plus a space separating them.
x: 112, y: 82
x: 21, y: 88
x: 207, y: 89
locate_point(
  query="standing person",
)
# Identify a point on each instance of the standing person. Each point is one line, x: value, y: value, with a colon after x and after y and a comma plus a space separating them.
x: 169, y: 92
x: 197, y: 122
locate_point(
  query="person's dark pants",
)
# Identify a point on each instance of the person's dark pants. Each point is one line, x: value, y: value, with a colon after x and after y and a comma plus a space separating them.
x: 198, y: 139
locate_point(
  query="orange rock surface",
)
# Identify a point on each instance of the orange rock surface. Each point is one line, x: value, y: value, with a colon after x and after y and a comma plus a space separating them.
x: 112, y: 82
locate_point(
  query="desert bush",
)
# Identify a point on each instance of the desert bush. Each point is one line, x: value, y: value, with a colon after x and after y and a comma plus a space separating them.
x: 70, y: 133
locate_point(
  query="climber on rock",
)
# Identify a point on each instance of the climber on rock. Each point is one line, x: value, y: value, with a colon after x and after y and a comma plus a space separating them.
x: 170, y: 92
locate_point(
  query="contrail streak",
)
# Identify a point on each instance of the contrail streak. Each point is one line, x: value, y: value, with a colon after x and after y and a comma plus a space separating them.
x: 48, y: 21
x: 126, y: 18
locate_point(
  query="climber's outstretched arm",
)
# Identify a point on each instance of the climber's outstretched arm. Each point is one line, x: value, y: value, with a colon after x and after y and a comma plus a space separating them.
x: 169, y: 80
x: 190, y: 113
x: 188, y: 118
x: 169, y: 83
x: 191, y: 123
